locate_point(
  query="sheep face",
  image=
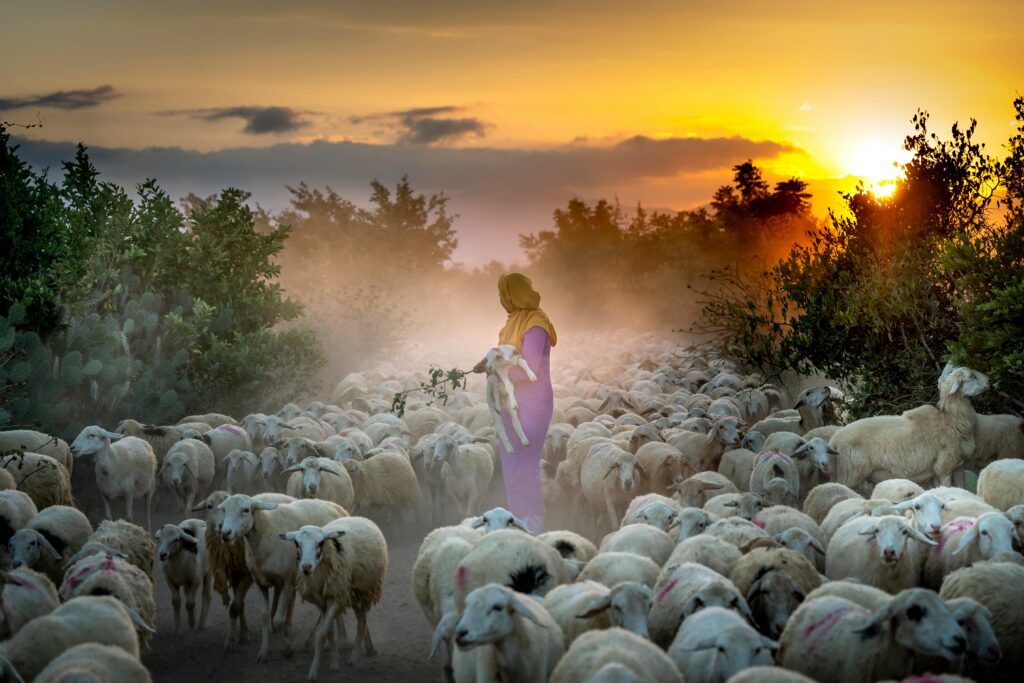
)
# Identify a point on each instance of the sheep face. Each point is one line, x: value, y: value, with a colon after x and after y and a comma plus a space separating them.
x: 629, y: 603
x: 747, y: 506
x: 963, y: 382
x: 498, y: 518
x: 176, y: 469
x: 817, y: 450
x: 298, y: 449
x: 211, y: 506
x: 347, y: 449
x: 660, y: 515
x: 753, y: 441
x: 802, y: 542
x: 556, y: 442
x: 926, y: 511
x: 717, y: 594
x: 490, y: 616
x: 628, y: 474
x: 992, y: 533
x: 921, y: 622
x: 172, y: 539
x: 735, y: 649
x: 92, y: 440
x: 253, y: 426
x: 444, y: 448
x: 976, y: 622
x: 814, y: 397
x: 27, y: 546
x: 290, y: 411
x: 890, y: 535
x: 309, y: 545
x: 311, y: 470
x: 727, y: 431
x: 238, y: 511
x: 692, y: 522
x: 772, y: 599
x: 242, y: 465
x: 271, y: 463
x: 272, y: 427
x: 778, y: 492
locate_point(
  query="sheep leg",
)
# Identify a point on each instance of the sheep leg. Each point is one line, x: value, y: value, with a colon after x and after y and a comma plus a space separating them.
x: 176, y: 607
x: 324, y: 626
x: 335, y: 645
x: 261, y: 656
x: 207, y: 597
x: 149, y: 508
x: 312, y: 633
x: 282, y: 618
x: 362, y: 639
x: 128, y: 508
x: 106, y: 505
x: 614, y: 517
x: 190, y: 604
x: 240, y: 592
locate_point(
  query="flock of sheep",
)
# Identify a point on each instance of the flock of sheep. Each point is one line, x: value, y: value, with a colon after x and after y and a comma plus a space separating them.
x: 703, y: 526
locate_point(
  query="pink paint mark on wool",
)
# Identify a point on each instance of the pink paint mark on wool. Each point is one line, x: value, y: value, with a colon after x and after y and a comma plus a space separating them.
x: 821, y: 627
x: 231, y: 428
x: 759, y: 523
x: 461, y: 577
x: 666, y: 590
x: 21, y: 581
x: 764, y: 455
x: 951, y: 529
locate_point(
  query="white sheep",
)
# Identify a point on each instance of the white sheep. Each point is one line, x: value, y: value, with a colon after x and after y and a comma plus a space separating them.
x: 307, y: 480
x: 742, y: 505
x: 664, y: 462
x: 108, y: 574
x: 188, y: 470
x: 605, y: 492
x: 927, y: 442
x: 50, y: 537
x: 30, y: 441
x: 887, y: 561
x: 710, y: 551
x: 504, y: 635
x: 271, y: 561
x: 851, y: 508
x: 705, y: 450
x: 716, y: 643
x: 386, y: 481
x: 125, y: 467
x: 498, y: 518
x: 466, y: 470
x: 615, y: 655
x: 588, y: 605
x: 43, y: 478
x: 512, y: 558
x: 772, y: 464
x: 965, y: 541
x: 272, y: 466
x: 737, y: 464
x: 181, y: 551
x: 94, y: 662
x: 611, y: 568
x: 25, y: 595
x: 653, y: 509
x: 243, y: 472
x: 697, y: 490
x: 774, y: 581
x: 999, y: 587
x: 684, y: 589
x: 90, y: 619
x: 830, y: 638
x: 1001, y: 484
x: 804, y: 543
x: 500, y: 392
x: 691, y: 522
x: 896, y: 490
x: 642, y: 539
x: 341, y: 566
x: 824, y: 497
x: 736, y: 530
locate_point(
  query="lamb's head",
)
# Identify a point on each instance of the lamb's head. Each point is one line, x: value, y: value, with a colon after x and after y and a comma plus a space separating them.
x: 239, y: 516
x: 890, y: 534
x: 659, y: 514
x: 130, y: 427
x: 727, y: 431
x: 747, y: 505
x: 27, y: 547
x: 311, y: 469
x: 753, y: 441
x: 717, y: 594
x: 926, y: 511
x: 309, y: 545
x: 347, y: 449
x: 976, y: 622
x: 919, y: 621
x: 692, y: 522
x: 172, y: 539
x: 91, y: 440
x: 777, y: 491
x: 773, y: 597
x: 498, y: 518
x: 817, y: 450
x: 628, y: 604
x: 629, y: 473
x: 963, y: 382
x: 211, y: 506
x: 991, y: 533
x: 489, y: 616
x: 177, y: 469
x: 801, y: 541
x: 444, y: 448
x: 813, y: 397
x: 498, y: 357
x: 271, y: 462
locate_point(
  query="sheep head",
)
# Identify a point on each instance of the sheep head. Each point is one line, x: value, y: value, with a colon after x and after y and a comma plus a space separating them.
x: 489, y: 616
x: 891, y: 534
x: 921, y: 622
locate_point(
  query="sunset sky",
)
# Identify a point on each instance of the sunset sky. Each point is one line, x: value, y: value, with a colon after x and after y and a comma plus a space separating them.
x: 510, y: 108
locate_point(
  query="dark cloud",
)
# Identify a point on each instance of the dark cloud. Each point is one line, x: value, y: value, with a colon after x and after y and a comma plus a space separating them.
x: 63, y: 99
x: 258, y: 120
x: 422, y: 126
x: 499, y: 193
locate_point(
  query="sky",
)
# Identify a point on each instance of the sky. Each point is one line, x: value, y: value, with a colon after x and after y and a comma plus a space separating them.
x: 509, y: 108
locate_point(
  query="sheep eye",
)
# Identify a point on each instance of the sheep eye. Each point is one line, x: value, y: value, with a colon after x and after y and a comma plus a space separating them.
x: 917, y: 507
x: 906, y: 533
x: 496, y: 608
x: 721, y: 649
x: 984, y: 533
x: 916, y: 613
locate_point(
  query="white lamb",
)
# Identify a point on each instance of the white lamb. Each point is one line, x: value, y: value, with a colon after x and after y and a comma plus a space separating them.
x: 716, y: 643
x: 585, y: 606
x: 50, y: 537
x: 888, y: 560
x: 501, y: 394
x: 181, y: 551
x: 504, y: 635
x: 125, y: 467
x: 611, y: 568
x: 466, y: 470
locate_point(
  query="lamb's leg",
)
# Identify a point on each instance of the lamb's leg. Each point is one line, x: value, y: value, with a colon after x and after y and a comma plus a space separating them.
x: 527, y: 369
x: 241, y: 590
x: 518, y: 426
x: 190, y: 604
x: 613, y: 517
x: 309, y: 639
x: 319, y: 635
x: 494, y: 403
x: 176, y: 607
x: 265, y: 618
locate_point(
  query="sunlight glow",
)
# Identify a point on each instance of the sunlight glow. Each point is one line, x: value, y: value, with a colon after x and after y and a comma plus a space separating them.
x: 878, y: 164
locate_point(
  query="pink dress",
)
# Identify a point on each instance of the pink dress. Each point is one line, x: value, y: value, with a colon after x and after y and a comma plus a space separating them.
x: 521, y: 469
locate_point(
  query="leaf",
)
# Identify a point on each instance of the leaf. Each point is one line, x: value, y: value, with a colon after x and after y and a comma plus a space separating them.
x: 92, y: 368
x: 16, y: 314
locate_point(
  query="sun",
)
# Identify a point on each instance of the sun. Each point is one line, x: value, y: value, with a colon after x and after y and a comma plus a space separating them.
x: 877, y: 163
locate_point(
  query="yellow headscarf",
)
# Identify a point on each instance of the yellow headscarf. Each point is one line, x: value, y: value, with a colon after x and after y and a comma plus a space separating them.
x: 522, y: 302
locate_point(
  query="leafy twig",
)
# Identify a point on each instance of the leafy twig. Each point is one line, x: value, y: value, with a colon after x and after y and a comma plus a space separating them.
x: 440, y: 383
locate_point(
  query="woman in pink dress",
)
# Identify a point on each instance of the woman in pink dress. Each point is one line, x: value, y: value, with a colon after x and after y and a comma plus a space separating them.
x: 529, y: 329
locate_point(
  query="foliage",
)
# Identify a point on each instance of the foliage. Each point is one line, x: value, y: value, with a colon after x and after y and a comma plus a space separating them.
x: 437, y: 388
x: 876, y: 299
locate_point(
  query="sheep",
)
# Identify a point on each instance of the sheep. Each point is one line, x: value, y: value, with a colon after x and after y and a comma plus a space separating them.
x: 181, y: 550
x: 804, y: 543
x: 91, y: 619
x: 845, y: 510
x: 743, y: 505
x: 772, y: 424
x: 736, y: 530
x: 94, y: 662
x: 570, y: 545
x: 16, y: 509
x: 243, y: 472
x: 386, y: 480
x: 498, y: 518
x: 50, y: 536
x: 342, y: 565
x: 965, y: 541
x: 422, y: 575
x: 705, y: 451
x: 125, y: 468
x: 503, y: 635
x: 615, y: 655
x: 890, y: 564
x: 868, y: 597
x: 697, y: 490
x: 653, y: 509
x: 612, y: 568
x: 770, y: 465
x: 119, y: 537
x: 30, y: 441
x: 512, y: 558
x: 996, y: 436
x: 271, y: 565
x: 710, y: 551
x: 926, y: 442
x: 664, y: 462
x: 43, y: 478
x: 500, y: 391
x: 25, y: 595
x: 824, y: 497
x: 999, y: 587
x: 466, y: 470
x: 585, y: 606
x: 830, y: 638
x: 716, y: 643
x: 684, y: 589
x: 108, y: 574
x: 769, y: 674
x: 187, y: 469
x: 896, y: 490
x: 215, y: 420
x: 813, y: 463
x: 600, y: 489
x: 1001, y: 484
x: 691, y: 522
x: 642, y: 539
x: 774, y: 581
x: 965, y: 507
x: 160, y: 438
x: 737, y: 465
x: 272, y: 466
x: 982, y: 646
x: 307, y: 481
x: 779, y: 518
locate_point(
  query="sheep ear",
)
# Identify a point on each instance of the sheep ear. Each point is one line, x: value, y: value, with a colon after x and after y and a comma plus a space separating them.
x: 477, y: 523
x: 8, y: 672
x: 45, y: 543
x: 802, y: 450
x: 516, y: 606
x: 874, y: 623
x: 712, y: 486
x: 873, y: 531
x: 966, y: 539
x: 187, y: 537
x: 817, y: 546
x: 263, y: 505
x: 201, y: 505
x: 640, y: 468
x: 518, y: 523
x: 287, y: 536
x: 753, y: 591
x: 334, y: 533
x: 610, y: 470
x: 138, y: 620
x: 113, y: 436
x: 596, y: 607
x: 706, y: 644
x: 905, y: 505
x: 293, y: 468
x: 442, y: 632
x: 832, y: 449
